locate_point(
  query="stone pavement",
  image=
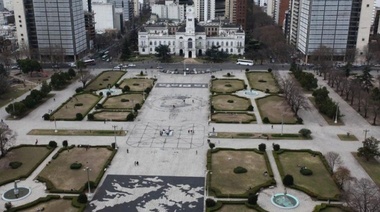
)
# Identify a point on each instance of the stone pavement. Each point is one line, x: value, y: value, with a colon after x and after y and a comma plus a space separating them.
x: 184, y: 154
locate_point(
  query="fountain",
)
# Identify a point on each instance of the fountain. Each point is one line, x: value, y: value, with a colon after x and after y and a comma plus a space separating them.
x: 113, y: 91
x: 251, y: 92
x: 284, y: 200
x: 16, y: 193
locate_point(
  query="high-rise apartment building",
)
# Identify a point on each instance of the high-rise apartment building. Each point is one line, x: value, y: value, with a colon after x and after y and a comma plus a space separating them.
x: 339, y: 25
x: 51, y: 28
x: 238, y: 12
x: 170, y: 10
x: 205, y: 10
x: 1, y: 5
x: 277, y: 10
x: 8, y: 4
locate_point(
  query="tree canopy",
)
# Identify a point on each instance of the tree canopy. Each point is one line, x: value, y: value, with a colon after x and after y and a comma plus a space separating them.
x: 370, y: 148
x: 163, y: 52
x: 29, y: 66
x: 215, y: 55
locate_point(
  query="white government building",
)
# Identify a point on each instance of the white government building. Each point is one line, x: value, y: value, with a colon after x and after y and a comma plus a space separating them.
x: 191, y: 40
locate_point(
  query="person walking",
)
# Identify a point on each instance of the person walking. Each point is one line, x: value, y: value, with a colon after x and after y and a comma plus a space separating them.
x: 36, y: 142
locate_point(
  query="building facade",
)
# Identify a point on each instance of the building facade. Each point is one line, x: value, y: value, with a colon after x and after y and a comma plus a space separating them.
x: 170, y: 10
x: 190, y: 39
x: 51, y: 28
x: 205, y: 10
x: 238, y: 12
x: 339, y: 25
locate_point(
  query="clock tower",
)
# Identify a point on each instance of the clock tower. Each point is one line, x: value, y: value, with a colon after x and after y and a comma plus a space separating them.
x: 190, y: 19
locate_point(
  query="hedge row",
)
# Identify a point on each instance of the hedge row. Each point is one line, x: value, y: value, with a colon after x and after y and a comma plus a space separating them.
x: 324, y: 206
x: 255, y: 189
x: 220, y: 204
x: 33, y: 168
x: 300, y: 188
x: 52, y: 189
x: 34, y: 203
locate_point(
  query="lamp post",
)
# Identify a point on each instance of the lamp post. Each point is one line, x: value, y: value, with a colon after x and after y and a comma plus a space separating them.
x: 207, y: 186
x: 114, y: 133
x: 282, y: 123
x: 365, y: 134
x: 55, y: 125
x: 87, y: 169
x: 336, y: 114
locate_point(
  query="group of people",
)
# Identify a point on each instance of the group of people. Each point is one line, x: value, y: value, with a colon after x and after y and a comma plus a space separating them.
x: 167, y: 132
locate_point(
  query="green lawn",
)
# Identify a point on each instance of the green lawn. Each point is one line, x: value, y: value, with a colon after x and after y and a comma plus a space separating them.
x: 111, y: 115
x: 123, y: 101
x: 275, y: 107
x: 73, y: 132
x: 104, y: 79
x: 320, y: 183
x: 230, y: 103
x: 345, y: 137
x: 235, y: 207
x: 262, y: 81
x: 226, y: 85
x: 81, y: 103
x: 29, y: 156
x: 372, y: 168
x: 58, y: 171
x: 137, y: 84
x: 226, y: 181
x: 233, y: 118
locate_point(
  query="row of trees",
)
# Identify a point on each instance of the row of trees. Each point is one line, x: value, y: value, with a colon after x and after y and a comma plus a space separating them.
x: 358, y: 90
x: 325, y: 104
x: 4, y: 80
x: 28, y: 66
x: 31, y: 101
x: 306, y: 80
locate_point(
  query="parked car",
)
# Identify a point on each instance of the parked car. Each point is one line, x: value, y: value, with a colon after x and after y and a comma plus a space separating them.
x: 159, y: 67
x: 131, y: 65
x: 72, y: 65
x: 15, y: 67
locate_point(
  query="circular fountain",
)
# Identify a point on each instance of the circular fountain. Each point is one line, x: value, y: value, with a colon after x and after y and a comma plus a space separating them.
x: 251, y: 93
x: 113, y: 91
x: 284, y: 200
x: 16, y: 193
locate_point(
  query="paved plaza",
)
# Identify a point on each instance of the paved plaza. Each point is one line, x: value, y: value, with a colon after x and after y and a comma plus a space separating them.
x: 169, y: 140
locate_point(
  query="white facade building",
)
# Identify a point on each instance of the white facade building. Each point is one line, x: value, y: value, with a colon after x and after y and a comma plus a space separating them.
x: 192, y: 40
x: 104, y: 16
x: 171, y: 11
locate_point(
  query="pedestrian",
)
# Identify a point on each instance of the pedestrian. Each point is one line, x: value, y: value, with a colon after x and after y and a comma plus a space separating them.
x: 137, y: 163
x: 54, y: 99
x: 272, y: 126
x: 104, y: 121
x: 127, y: 151
x: 196, y: 152
x: 36, y: 142
x: 188, y: 131
x: 183, y: 101
x: 192, y: 131
x: 193, y: 101
x: 2, y: 121
x: 213, y: 129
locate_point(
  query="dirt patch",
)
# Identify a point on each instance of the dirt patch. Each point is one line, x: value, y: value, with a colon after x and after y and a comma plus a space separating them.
x: 137, y: 85
x: 233, y: 118
x: 262, y: 81
x: 275, y: 107
x: 112, y: 115
x: 230, y: 103
x: 124, y: 101
x: 226, y: 85
x: 59, y: 173
x: 81, y: 103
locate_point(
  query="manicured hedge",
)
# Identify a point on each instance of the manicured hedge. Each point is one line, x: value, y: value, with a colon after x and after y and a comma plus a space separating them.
x: 219, y: 205
x: 33, y: 168
x: 34, y: 203
x: 255, y: 189
x: 324, y: 206
x: 300, y: 188
x: 75, y: 203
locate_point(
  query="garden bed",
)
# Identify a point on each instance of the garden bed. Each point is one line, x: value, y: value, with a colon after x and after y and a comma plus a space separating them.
x: 123, y: 101
x: 108, y: 115
x: 104, y: 80
x: 276, y: 109
x: 73, y: 132
x: 230, y: 103
x: 372, y: 167
x: 137, y: 84
x: 262, y: 81
x: 243, y: 118
x: 227, y: 85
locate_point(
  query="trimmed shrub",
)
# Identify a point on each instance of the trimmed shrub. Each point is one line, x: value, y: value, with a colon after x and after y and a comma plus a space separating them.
x: 53, y: 144
x: 250, y: 108
x: 230, y: 101
x: 137, y: 107
x: 71, y: 72
x: 262, y: 147
x: 305, y: 171
x: 306, y: 133
x: 130, y: 117
x: 269, y: 70
x: 113, y: 145
x: 79, y: 89
x: 240, y: 170
x: 15, y: 164
x: 211, y: 145
x: 65, y: 143
x: 124, y: 100
x: 82, y: 198
x: 252, y: 199
x: 299, y: 120
x: 90, y: 117
x: 108, y: 93
x: 98, y: 106
x: 262, y: 80
x: 288, y: 180
x: 148, y: 90
x: 141, y: 73
x: 78, y: 116
x: 266, y: 120
x: 276, y: 147
x: 267, y: 90
x: 46, y: 116
x: 100, y: 93
x: 105, y: 80
x: 8, y: 205
x: 228, y: 85
x: 75, y: 166
x: 210, y: 203
x: 212, y: 77
x: 228, y: 74
x: 126, y: 89
x: 117, y: 85
x: 247, y: 69
x: 78, y: 104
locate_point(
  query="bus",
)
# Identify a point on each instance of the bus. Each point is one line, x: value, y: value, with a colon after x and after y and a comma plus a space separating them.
x: 245, y: 62
x: 90, y: 62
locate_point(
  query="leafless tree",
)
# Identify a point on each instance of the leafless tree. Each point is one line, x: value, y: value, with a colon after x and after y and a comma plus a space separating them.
x: 333, y: 158
x: 298, y: 100
x: 7, y: 138
x: 342, y: 176
x: 351, y: 55
x: 366, y: 99
x: 363, y: 196
x: 323, y: 59
x: 5, y: 84
x: 368, y: 53
x: 86, y: 77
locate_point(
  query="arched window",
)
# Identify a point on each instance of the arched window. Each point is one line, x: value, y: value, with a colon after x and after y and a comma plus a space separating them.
x: 232, y: 50
x: 227, y: 43
x: 213, y: 43
x: 150, y: 43
x: 169, y: 43
x: 155, y: 43
x: 217, y: 43
x: 232, y: 43
x: 222, y: 43
x: 190, y: 43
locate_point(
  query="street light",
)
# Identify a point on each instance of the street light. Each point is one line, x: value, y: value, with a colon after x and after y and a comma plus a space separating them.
x: 55, y: 125
x: 365, y: 134
x: 282, y: 123
x: 88, y: 181
x: 114, y: 133
x: 336, y: 114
